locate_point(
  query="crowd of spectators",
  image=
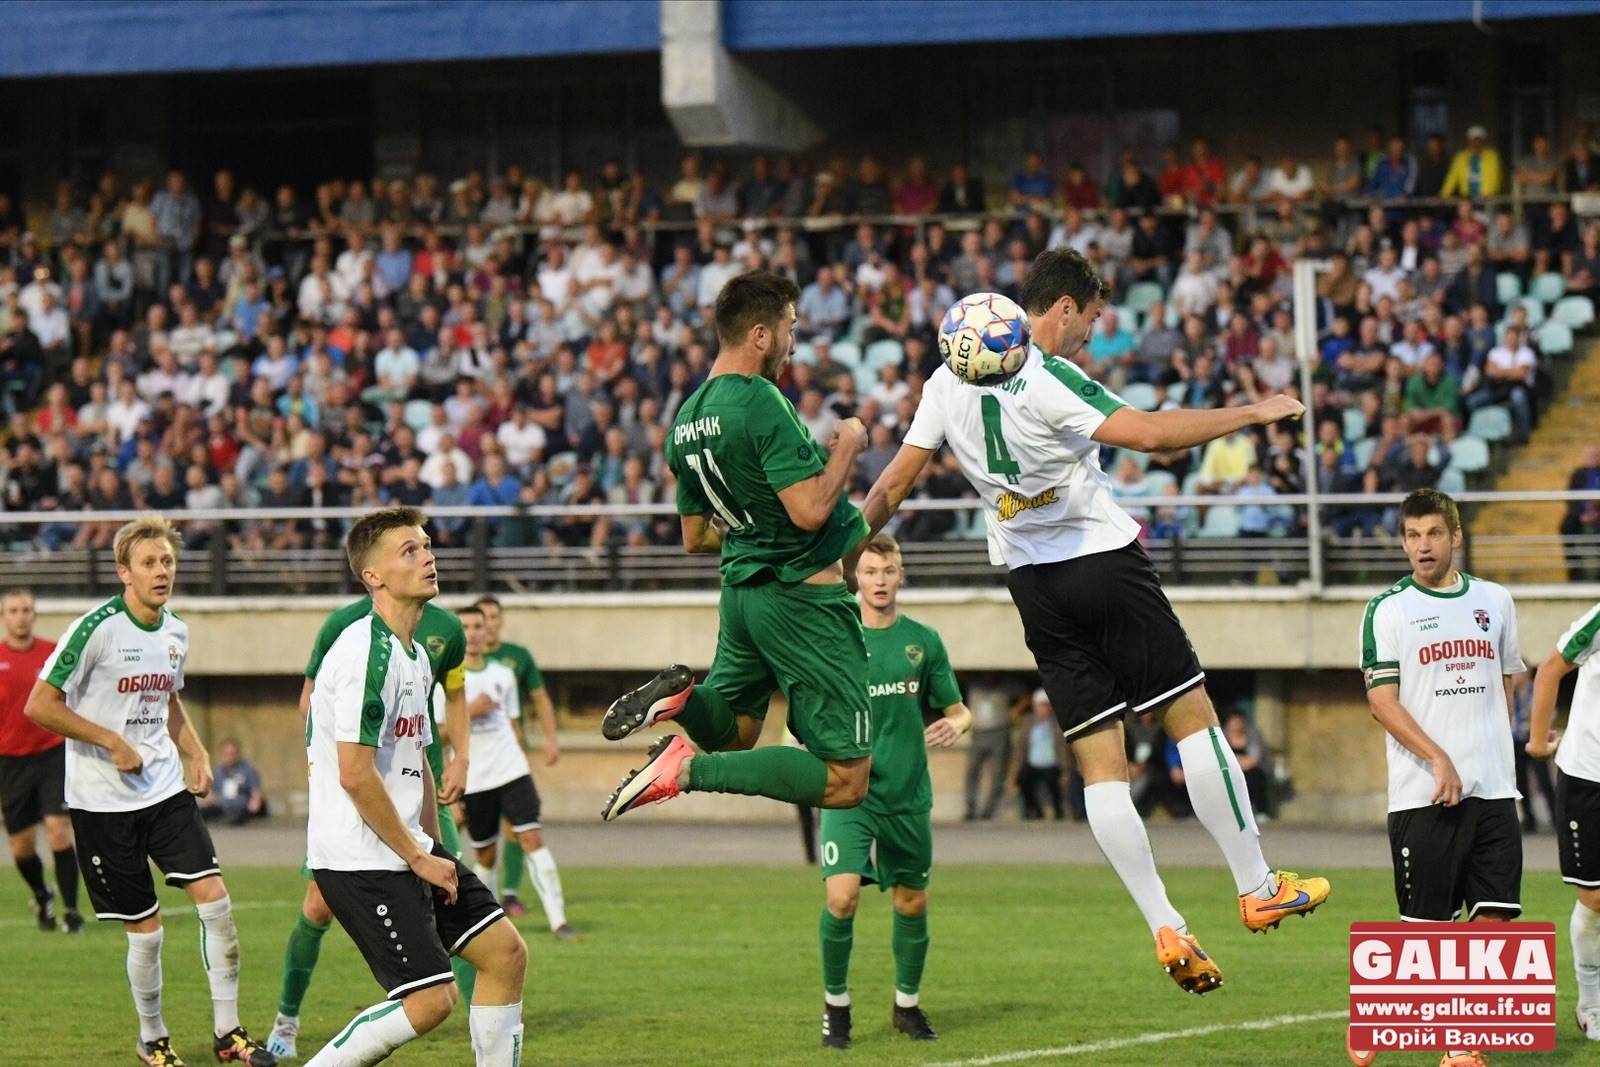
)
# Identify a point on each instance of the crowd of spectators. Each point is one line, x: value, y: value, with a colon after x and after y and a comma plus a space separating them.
x: 496, y: 341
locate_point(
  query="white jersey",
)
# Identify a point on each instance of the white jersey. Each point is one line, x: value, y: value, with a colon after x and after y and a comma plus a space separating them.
x: 370, y: 690
x: 1025, y: 446
x: 118, y: 673
x: 1448, y: 650
x: 496, y: 757
x: 1579, y: 751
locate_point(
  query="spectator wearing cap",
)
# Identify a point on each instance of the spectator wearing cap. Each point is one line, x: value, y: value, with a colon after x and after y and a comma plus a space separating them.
x: 1475, y: 172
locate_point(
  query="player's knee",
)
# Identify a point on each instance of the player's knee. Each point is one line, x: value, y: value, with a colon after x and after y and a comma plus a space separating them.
x: 314, y: 908
x: 58, y: 832
x: 207, y: 890
x: 22, y: 847
x: 842, y: 903
x: 531, y: 840
x: 148, y: 925
x: 428, y: 1008
x: 1589, y: 897
x: 910, y: 902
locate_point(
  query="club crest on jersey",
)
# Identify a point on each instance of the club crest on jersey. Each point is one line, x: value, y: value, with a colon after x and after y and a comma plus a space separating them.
x: 914, y: 655
x: 435, y: 645
x: 1482, y: 618
x: 173, y: 655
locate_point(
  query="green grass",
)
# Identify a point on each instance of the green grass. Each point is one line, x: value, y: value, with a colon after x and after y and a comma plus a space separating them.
x: 692, y: 966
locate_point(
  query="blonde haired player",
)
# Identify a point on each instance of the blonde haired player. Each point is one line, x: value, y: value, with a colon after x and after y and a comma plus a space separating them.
x: 134, y: 768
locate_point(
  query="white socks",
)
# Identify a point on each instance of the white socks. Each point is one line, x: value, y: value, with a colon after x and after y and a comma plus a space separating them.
x: 906, y: 1000
x: 547, y: 883
x: 837, y: 1000
x: 486, y: 875
x: 1216, y: 789
x: 369, y: 1038
x: 144, y: 977
x: 496, y: 1034
x: 1120, y: 834
x: 219, y: 953
x: 1586, y: 954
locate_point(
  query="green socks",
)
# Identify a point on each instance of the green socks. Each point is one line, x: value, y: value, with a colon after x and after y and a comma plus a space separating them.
x: 708, y: 720
x: 836, y: 935
x: 910, y: 951
x: 510, y: 867
x: 465, y: 976
x: 792, y: 775
x: 299, y: 960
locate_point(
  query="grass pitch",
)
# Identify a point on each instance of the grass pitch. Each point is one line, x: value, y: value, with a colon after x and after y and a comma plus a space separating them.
x: 719, y: 966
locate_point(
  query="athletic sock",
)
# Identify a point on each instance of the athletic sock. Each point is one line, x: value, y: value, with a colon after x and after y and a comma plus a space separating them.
x: 368, y: 1039
x: 496, y: 1034
x: 1120, y: 833
x: 219, y: 954
x: 32, y: 871
x: 910, y: 943
x: 299, y: 960
x: 708, y: 719
x: 547, y: 883
x: 837, y: 936
x: 485, y: 874
x: 144, y: 978
x: 777, y: 771
x: 1585, y: 930
x: 510, y: 867
x: 466, y: 976
x: 1221, y: 802
x: 67, y: 877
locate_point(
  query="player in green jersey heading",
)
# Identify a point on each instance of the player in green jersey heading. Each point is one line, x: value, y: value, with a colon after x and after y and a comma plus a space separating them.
x: 440, y: 635
x: 915, y: 703
x: 754, y: 485
x: 532, y: 693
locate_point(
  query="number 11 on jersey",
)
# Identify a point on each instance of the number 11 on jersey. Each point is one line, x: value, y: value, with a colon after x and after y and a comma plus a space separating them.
x: 705, y: 467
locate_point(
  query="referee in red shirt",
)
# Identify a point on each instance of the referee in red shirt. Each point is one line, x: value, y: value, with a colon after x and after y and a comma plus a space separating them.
x: 33, y: 768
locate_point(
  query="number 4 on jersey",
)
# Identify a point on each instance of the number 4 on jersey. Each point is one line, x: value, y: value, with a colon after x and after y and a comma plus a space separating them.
x: 1000, y: 461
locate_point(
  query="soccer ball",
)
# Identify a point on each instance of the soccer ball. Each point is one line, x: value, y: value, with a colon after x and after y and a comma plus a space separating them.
x: 984, y: 338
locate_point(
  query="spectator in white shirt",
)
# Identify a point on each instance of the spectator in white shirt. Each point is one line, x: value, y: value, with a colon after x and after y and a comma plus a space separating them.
x: 276, y: 365
x: 191, y: 336
x: 1508, y: 374
x: 351, y: 266
x: 447, y: 454
x: 572, y: 204
x: 890, y: 389
x: 165, y: 378
x: 126, y: 412
x: 1290, y: 180
x: 1194, y: 291
x: 713, y: 276
x: 1384, y: 276
x: 209, y: 388
x: 322, y: 294
x: 1074, y: 232
x: 1413, y: 347
x: 522, y: 439
x: 395, y: 369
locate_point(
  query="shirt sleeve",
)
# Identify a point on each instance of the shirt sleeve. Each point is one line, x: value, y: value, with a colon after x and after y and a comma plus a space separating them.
x: 1510, y: 640
x: 1380, y: 649
x: 938, y: 679
x: 1577, y: 644
x: 359, y: 669
x: 319, y: 648
x: 690, y: 499
x: 787, y: 451
x: 535, y: 678
x: 927, y: 425
x: 452, y: 675
x: 73, y: 658
x: 1081, y: 405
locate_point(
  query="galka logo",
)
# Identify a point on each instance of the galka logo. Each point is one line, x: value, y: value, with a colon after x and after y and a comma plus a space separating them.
x: 1010, y: 505
x: 1446, y: 986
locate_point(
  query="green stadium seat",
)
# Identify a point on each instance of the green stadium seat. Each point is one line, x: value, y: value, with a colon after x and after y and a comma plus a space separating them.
x: 805, y: 353
x: 1549, y: 287
x: 885, y: 352
x: 1574, y: 311
x: 1142, y: 397
x: 1355, y: 424
x: 1142, y: 295
x: 1452, y: 481
x: 1554, y: 338
x: 847, y: 352
x: 1161, y: 483
x: 1362, y: 451
x: 1535, y: 310
x: 1140, y: 459
x: 1508, y: 287
x: 1175, y: 393
x: 1469, y: 454
x: 1220, y: 521
x: 1492, y: 423
x: 418, y: 414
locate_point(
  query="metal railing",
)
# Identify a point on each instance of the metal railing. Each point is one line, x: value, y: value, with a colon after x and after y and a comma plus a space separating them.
x: 1195, y: 549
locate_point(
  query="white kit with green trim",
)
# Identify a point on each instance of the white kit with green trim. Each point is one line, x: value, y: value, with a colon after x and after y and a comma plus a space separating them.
x: 1579, y: 754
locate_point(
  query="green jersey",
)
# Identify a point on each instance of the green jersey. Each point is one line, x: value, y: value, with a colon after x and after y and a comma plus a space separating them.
x: 735, y: 445
x: 439, y: 633
x: 521, y: 663
x: 909, y: 682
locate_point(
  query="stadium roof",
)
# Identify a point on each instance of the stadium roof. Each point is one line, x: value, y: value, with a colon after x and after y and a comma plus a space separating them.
x: 46, y: 38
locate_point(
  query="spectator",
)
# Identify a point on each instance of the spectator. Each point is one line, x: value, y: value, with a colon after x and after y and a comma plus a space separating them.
x: 1582, y: 519
x: 1042, y: 773
x: 1508, y: 375
x: 1475, y: 171
x: 1395, y: 176
x: 1225, y: 463
x: 1433, y: 399
x: 824, y: 309
x: 236, y: 793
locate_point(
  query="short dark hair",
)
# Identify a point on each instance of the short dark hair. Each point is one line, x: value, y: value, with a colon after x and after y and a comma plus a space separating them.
x: 470, y: 609
x: 487, y: 598
x: 1059, y: 272
x: 753, y: 298
x: 1424, y: 502
x: 367, y: 529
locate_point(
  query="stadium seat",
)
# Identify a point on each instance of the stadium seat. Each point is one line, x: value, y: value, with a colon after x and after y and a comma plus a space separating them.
x: 885, y: 352
x: 1574, y: 311
x: 805, y: 353
x: 1362, y: 451
x: 1452, y: 481
x: 1175, y: 392
x: 1141, y: 295
x: 1535, y: 309
x: 1140, y: 459
x: 1220, y: 521
x: 418, y: 414
x: 866, y: 377
x: 1469, y: 454
x: 1508, y: 287
x: 1141, y: 396
x: 847, y: 352
x: 1554, y: 338
x: 1548, y: 288
x: 1129, y: 318
x: 1492, y: 423
x: 1355, y: 424
x: 1161, y: 483
x: 1191, y: 483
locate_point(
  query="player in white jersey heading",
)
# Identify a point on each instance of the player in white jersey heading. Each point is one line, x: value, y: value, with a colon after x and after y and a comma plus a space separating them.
x: 1577, y: 814
x: 372, y: 837
x: 134, y: 768
x: 499, y: 784
x: 1438, y: 652
x: 1100, y: 628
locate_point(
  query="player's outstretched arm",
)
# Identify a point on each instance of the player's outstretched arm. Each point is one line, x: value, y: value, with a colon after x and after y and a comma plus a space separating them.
x: 47, y: 707
x: 943, y: 732
x: 1384, y: 703
x: 358, y: 776
x: 811, y: 501
x: 196, y: 761
x: 894, y: 485
x: 545, y: 708
x: 1159, y: 431
x: 1546, y: 684
x: 701, y: 534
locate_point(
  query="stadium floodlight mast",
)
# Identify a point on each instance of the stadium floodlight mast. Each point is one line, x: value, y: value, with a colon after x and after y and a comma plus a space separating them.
x: 1306, y: 354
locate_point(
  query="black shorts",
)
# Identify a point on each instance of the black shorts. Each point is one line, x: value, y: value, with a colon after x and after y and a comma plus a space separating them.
x: 404, y: 927
x: 1578, y: 830
x: 115, y: 849
x: 32, y: 787
x: 517, y: 802
x: 1104, y: 636
x: 1445, y: 857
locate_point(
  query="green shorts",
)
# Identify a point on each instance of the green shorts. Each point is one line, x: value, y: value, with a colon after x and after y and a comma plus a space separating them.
x: 806, y: 641
x: 447, y: 838
x: 904, y: 853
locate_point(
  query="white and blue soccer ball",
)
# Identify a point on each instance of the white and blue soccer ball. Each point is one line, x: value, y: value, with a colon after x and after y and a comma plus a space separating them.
x: 984, y: 338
